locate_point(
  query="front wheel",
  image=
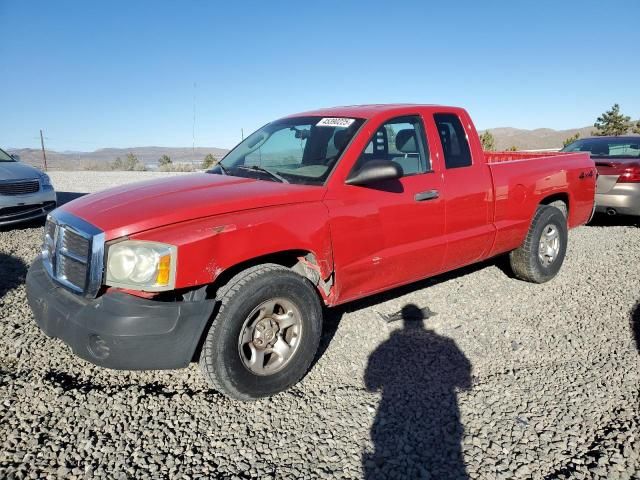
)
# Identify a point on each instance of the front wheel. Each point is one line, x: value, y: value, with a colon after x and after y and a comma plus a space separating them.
x: 541, y: 255
x: 265, y: 334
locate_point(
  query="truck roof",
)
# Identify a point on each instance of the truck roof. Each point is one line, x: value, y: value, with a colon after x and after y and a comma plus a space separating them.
x: 368, y: 111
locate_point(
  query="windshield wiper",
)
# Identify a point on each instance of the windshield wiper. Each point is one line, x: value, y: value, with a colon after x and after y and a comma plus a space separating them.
x: 257, y: 168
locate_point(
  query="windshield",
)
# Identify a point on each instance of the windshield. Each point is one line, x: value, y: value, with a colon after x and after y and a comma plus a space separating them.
x: 5, y: 157
x: 300, y: 150
x: 623, y: 147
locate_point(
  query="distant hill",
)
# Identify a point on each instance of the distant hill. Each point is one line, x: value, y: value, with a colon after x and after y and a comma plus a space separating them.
x: 147, y: 155
x: 506, y: 137
x: 540, y: 138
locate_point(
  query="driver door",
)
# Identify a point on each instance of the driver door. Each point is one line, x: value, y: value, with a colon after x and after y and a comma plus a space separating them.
x: 391, y: 232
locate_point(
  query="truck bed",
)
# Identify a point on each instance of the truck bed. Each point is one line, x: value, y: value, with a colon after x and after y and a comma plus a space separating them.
x: 498, y: 157
x: 556, y: 174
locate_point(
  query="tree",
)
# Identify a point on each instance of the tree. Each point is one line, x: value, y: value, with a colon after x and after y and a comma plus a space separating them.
x: 488, y: 142
x: 571, y: 139
x: 131, y: 163
x: 208, y: 162
x: 165, y: 161
x: 636, y: 129
x: 512, y: 148
x: 117, y: 164
x: 612, y: 122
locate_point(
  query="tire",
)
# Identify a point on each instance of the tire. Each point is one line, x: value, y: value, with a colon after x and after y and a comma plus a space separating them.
x: 526, y: 261
x: 227, y: 357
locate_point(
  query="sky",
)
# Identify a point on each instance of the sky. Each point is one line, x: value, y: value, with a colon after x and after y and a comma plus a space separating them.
x: 126, y: 73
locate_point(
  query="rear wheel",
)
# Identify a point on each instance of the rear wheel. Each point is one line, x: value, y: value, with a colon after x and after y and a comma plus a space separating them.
x: 265, y: 334
x: 541, y: 255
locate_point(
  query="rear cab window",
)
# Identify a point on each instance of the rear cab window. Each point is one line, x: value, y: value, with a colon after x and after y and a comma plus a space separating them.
x: 453, y: 138
x: 400, y: 140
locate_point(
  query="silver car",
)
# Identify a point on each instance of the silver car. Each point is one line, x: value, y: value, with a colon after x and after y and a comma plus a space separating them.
x: 618, y: 162
x: 26, y: 193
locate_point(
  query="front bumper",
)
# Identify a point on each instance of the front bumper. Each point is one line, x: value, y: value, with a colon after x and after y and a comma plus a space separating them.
x: 22, y: 208
x: 624, y: 198
x: 117, y: 330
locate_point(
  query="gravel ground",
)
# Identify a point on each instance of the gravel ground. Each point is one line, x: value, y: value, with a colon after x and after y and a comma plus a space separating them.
x: 68, y: 183
x: 487, y: 377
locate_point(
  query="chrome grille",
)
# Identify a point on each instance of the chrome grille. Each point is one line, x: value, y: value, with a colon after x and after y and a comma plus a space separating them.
x: 73, y: 271
x: 72, y: 253
x: 19, y: 187
x: 75, y: 246
x: 72, y: 265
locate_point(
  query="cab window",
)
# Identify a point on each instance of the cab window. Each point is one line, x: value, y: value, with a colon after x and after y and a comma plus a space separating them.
x: 402, y: 141
x: 299, y: 150
x: 285, y: 147
x: 453, y: 139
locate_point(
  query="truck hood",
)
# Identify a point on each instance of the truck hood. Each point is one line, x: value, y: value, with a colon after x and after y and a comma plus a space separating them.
x: 17, y: 171
x: 141, y: 206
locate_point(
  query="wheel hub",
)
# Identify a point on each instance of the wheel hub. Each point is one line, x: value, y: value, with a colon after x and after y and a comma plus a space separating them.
x: 270, y: 336
x: 549, y: 246
x: 265, y: 333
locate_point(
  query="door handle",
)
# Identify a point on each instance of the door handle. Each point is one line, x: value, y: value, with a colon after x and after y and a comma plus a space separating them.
x: 428, y: 195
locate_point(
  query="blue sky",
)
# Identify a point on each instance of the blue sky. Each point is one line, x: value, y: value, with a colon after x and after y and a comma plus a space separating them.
x: 122, y: 73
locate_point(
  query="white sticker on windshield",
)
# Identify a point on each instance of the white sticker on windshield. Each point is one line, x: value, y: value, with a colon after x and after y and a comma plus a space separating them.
x: 335, y: 122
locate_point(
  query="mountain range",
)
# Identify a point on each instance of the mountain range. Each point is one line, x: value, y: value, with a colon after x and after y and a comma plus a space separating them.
x: 505, y: 137
x: 147, y: 155
x: 538, y: 139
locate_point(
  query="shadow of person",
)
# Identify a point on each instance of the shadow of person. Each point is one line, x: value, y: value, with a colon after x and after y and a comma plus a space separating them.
x: 417, y: 431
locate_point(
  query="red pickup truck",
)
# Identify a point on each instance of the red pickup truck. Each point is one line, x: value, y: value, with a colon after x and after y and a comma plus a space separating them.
x: 233, y: 267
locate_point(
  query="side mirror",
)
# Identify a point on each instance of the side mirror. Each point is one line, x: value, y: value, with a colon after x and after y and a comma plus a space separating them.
x: 375, y: 171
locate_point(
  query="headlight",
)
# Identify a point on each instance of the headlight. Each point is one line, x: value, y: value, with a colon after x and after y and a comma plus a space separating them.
x: 44, y: 178
x: 141, y: 265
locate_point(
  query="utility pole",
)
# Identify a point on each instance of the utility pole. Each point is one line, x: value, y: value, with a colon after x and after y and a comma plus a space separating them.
x: 44, y: 155
x: 242, y: 133
x: 193, y: 132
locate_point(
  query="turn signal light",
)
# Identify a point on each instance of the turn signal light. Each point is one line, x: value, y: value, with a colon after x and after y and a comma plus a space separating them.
x: 164, y: 270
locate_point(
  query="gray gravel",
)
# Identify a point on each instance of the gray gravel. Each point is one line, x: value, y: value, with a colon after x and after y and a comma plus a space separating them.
x: 89, y: 182
x: 502, y: 379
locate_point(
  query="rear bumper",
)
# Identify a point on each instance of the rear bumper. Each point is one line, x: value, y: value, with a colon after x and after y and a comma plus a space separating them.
x: 624, y: 198
x: 22, y: 208
x: 117, y: 330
